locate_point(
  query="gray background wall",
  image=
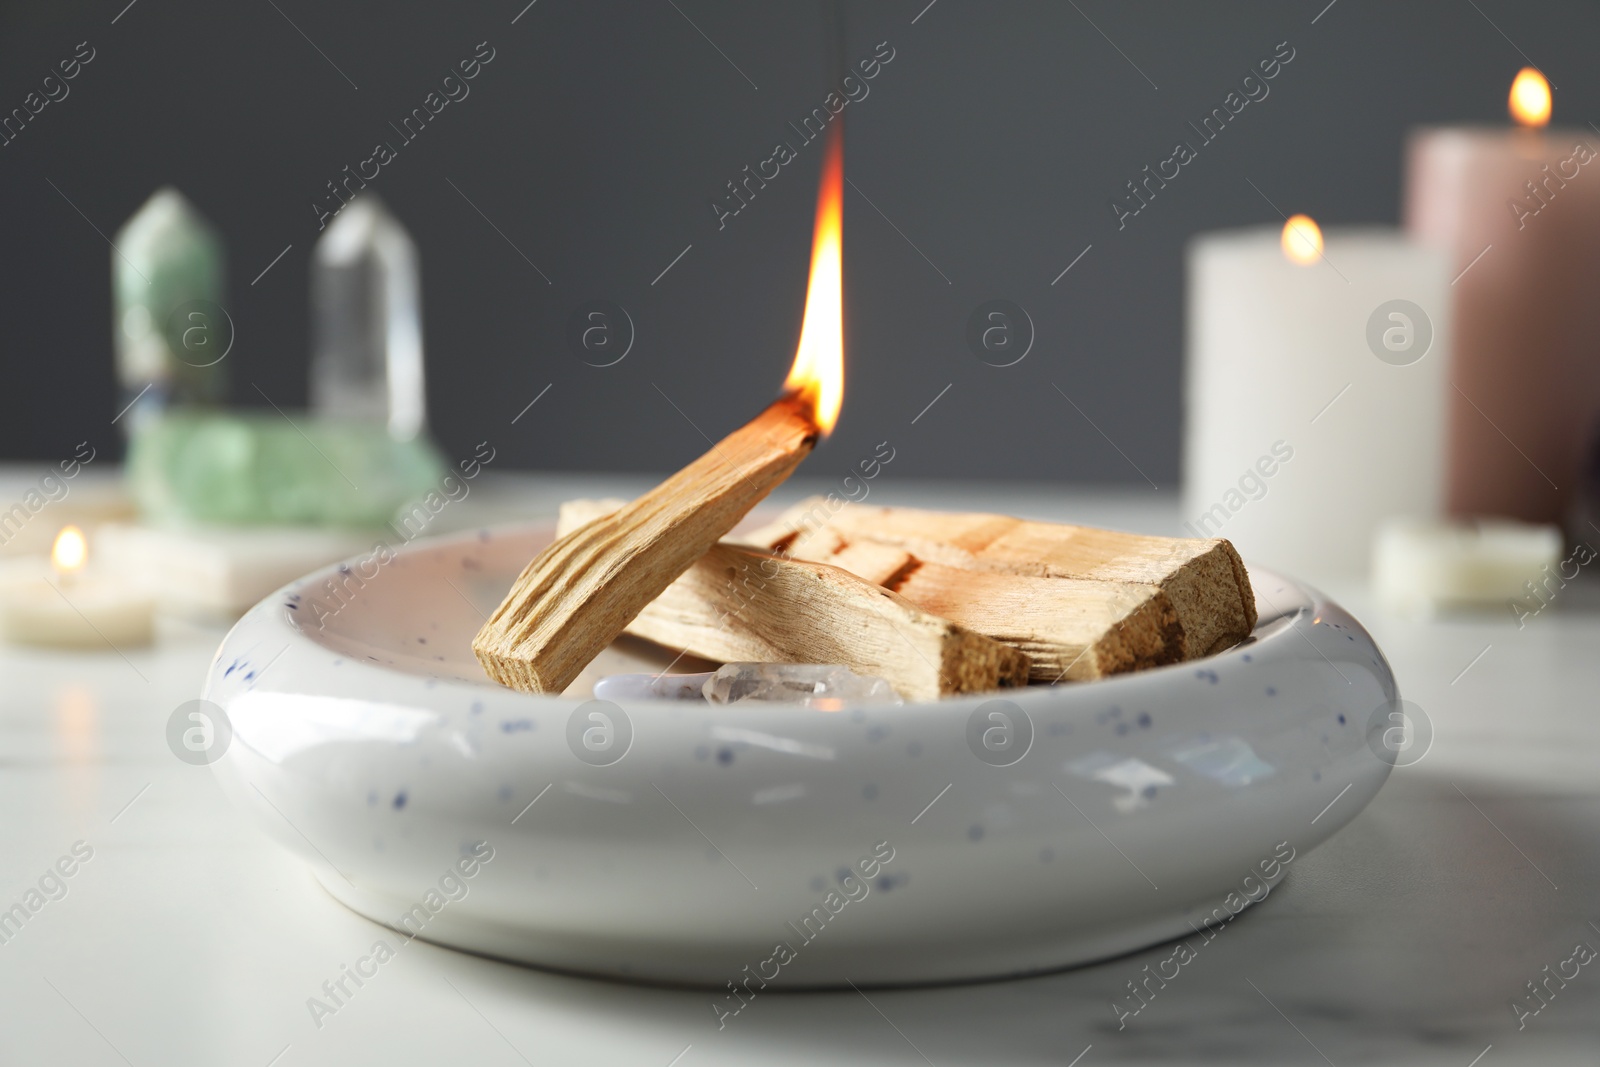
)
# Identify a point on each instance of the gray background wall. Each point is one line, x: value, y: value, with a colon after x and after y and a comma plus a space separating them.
x: 600, y: 133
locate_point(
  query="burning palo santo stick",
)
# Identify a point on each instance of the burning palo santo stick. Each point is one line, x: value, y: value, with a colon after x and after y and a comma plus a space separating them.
x: 575, y: 597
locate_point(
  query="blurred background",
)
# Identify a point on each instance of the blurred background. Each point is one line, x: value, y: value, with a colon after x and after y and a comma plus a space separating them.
x: 590, y: 151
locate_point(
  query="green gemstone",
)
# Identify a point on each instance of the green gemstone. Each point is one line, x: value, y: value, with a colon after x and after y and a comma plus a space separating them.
x: 249, y: 468
x: 167, y: 285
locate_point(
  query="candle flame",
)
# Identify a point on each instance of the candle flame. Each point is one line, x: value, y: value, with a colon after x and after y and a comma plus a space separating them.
x: 70, y: 550
x: 817, y: 377
x: 1302, y: 240
x: 1530, y: 98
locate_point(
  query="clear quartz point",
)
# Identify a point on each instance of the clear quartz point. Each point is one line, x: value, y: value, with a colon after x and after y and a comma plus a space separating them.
x: 819, y: 685
x: 651, y: 687
x: 366, y: 321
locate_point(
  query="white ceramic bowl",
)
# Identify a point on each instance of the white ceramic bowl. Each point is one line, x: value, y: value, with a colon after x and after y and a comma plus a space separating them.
x: 874, y: 845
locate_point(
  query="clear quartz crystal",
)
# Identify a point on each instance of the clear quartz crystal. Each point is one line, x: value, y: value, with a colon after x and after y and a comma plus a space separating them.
x: 366, y: 321
x: 819, y: 685
x: 651, y: 687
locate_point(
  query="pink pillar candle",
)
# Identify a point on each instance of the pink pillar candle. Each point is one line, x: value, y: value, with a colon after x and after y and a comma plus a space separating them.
x: 1518, y: 213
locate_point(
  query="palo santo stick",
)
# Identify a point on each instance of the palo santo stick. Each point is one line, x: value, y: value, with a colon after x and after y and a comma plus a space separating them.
x: 864, y: 559
x: 740, y: 605
x: 737, y: 604
x: 875, y: 562
x: 1203, y: 578
x: 579, y: 594
x: 1070, y: 629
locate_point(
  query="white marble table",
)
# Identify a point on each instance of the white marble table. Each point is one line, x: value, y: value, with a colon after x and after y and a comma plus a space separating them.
x: 187, y: 938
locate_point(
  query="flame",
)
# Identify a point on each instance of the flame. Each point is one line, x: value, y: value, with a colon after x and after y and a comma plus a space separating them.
x: 70, y: 550
x: 1530, y: 98
x: 817, y: 376
x: 1302, y: 240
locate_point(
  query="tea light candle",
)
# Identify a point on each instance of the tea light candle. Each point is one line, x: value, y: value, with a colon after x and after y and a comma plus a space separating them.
x: 1314, y: 392
x: 1423, y: 568
x: 1516, y: 211
x: 69, y: 607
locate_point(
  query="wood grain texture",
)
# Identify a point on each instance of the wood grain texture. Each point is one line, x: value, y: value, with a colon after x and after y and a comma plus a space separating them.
x: 737, y: 604
x: 582, y: 591
x: 1071, y: 629
x: 743, y: 604
x: 1203, y: 579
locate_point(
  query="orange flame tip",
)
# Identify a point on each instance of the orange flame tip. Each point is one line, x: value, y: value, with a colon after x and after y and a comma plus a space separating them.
x: 817, y: 377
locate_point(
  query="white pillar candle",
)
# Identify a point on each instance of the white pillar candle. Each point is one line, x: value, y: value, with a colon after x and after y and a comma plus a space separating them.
x: 73, y: 607
x: 1314, y: 399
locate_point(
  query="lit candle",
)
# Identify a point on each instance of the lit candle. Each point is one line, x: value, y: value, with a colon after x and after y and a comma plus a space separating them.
x: 1314, y: 391
x: 1517, y: 211
x: 70, y: 607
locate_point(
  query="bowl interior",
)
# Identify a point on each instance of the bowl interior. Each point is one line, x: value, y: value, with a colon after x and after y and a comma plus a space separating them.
x: 417, y: 611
